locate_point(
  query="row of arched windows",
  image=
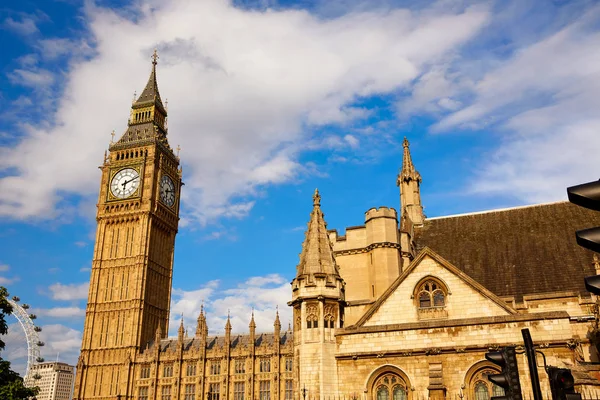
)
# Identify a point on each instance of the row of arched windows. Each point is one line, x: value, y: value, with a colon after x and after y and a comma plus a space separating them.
x: 392, y: 386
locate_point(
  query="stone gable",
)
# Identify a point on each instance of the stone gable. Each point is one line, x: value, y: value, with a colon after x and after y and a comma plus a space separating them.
x: 464, y: 298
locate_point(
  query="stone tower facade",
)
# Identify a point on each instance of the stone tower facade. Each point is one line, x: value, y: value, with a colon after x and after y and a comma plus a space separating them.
x: 130, y: 284
x: 317, y: 299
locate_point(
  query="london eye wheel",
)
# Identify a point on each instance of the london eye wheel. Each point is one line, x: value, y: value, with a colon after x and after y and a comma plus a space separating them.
x: 31, y: 332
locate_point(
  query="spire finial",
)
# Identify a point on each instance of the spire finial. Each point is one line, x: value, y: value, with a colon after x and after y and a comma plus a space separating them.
x: 155, y: 57
x: 405, y: 142
x: 252, y: 323
x: 316, y: 198
x: 178, y: 150
x: 112, y: 137
x: 134, y: 96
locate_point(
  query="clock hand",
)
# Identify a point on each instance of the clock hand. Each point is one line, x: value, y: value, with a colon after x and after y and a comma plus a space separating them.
x: 131, y: 180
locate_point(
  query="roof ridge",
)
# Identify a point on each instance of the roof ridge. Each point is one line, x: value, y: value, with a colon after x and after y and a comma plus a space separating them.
x: 496, y: 210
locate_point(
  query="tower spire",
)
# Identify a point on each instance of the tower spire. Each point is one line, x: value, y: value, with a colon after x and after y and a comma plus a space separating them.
x: 201, y: 327
x: 408, y: 169
x: 148, y: 115
x: 150, y: 93
x: 277, y: 323
x: 181, y: 330
x: 409, y: 181
x: 317, y: 253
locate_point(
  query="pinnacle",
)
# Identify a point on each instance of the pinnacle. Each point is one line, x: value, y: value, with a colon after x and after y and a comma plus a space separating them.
x: 408, y: 171
x: 252, y: 323
x: 228, y: 323
x: 277, y: 323
x: 181, y: 330
x: 317, y: 253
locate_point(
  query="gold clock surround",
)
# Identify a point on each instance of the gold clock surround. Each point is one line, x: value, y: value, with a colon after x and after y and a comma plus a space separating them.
x: 136, y: 194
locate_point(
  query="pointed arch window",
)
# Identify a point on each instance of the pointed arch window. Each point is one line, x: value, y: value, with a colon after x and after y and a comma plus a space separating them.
x: 481, y: 386
x: 390, y: 387
x: 431, y: 293
x: 312, y: 320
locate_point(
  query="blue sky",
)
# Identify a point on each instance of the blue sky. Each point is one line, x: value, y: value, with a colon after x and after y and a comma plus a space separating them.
x: 268, y: 101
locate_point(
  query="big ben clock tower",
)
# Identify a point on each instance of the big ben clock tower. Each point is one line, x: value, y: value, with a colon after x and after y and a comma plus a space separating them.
x: 132, y: 267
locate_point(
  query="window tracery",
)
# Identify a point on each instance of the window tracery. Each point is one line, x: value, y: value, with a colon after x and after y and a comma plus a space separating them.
x: 390, y: 387
x: 430, y: 294
x: 312, y: 320
x: 481, y: 386
x: 329, y: 317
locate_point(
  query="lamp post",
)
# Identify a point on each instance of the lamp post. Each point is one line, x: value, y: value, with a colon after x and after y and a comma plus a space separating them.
x: 304, y: 392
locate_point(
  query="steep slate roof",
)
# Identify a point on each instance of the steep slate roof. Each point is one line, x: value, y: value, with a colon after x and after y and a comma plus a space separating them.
x: 519, y: 251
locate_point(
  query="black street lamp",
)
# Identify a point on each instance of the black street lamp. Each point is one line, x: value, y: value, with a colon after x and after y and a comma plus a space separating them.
x: 304, y: 392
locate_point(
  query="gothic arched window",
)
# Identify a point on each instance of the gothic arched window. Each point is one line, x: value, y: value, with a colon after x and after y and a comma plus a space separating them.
x: 431, y: 293
x: 312, y: 320
x: 390, y: 387
x: 482, y: 388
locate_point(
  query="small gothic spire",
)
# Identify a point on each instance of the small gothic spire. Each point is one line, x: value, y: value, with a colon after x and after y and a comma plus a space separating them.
x: 201, y: 329
x: 408, y: 171
x: 317, y: 252
x: 277, y: 323
x: 252, y: 323
x: 158, y: 334
x: 228, y: 323
x: 181, y: 330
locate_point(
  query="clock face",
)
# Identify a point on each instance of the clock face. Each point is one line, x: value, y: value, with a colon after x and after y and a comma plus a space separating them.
x: 167, y: 190
x: 125, y: 183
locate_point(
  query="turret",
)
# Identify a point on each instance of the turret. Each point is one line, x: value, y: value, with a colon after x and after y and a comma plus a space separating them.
x: 317, y: 301
x: 384, y: 262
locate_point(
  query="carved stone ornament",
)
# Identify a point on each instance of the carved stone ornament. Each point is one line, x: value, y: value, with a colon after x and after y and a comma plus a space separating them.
x: 572, y: 344
x: 433, y: 351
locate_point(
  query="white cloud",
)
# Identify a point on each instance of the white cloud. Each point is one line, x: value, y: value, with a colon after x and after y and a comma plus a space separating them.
x: 8, y: 281
x: 246, y: 89
x: 26, y: 26
x: 545, y: 99
x: 33, y: 78
x: 15, y: 350
x: 70, y: 292
x: 263, y: 294
x: 60, y: 312
x: 60, y: 341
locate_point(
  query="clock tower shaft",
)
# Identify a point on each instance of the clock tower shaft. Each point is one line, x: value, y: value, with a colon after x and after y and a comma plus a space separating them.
x: 132, y: 266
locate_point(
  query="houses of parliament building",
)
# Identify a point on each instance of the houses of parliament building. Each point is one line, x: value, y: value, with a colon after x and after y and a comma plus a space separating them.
x: 403, y: 307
